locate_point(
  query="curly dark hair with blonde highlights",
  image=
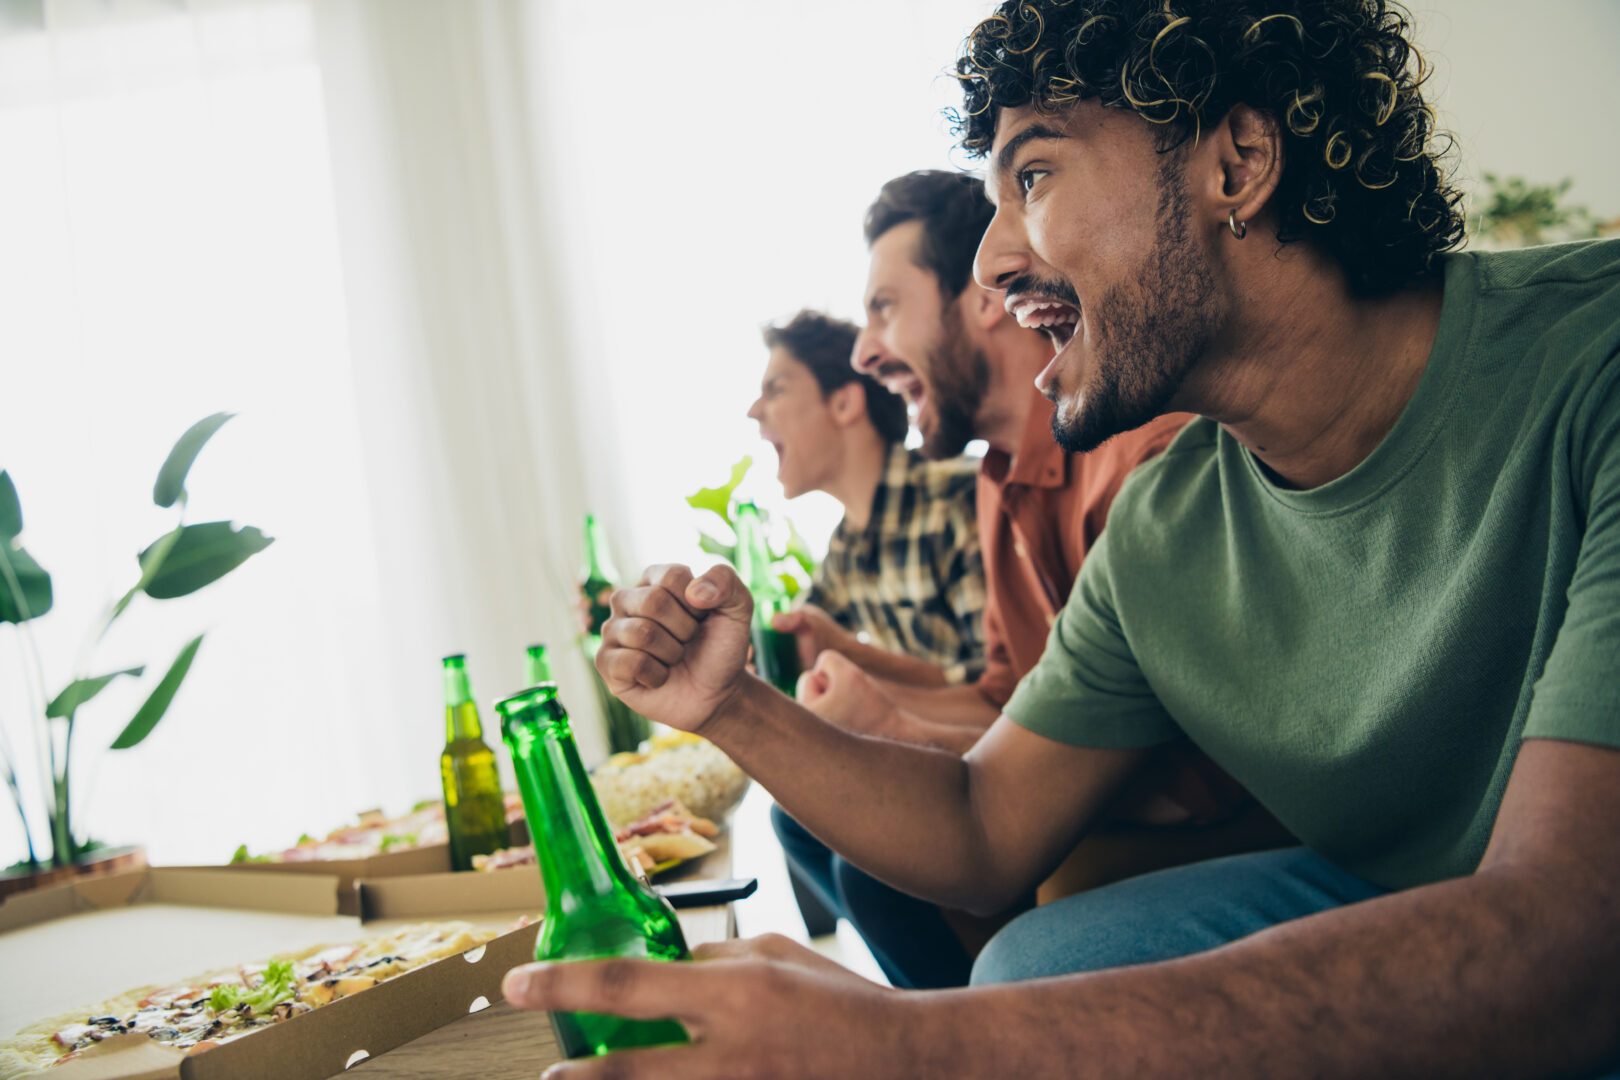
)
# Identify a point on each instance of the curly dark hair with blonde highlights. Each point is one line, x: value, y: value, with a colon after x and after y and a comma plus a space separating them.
x: 1363, y: 174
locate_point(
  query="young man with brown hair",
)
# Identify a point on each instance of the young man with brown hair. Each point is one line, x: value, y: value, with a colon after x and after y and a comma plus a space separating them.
x: 903, y: 564
x: 1379, y: 582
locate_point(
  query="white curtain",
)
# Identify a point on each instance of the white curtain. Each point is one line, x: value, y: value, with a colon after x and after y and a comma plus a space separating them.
x: 195, y: 217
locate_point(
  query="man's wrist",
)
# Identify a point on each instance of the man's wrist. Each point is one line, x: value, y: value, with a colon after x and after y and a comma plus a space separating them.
x: 729, y: 721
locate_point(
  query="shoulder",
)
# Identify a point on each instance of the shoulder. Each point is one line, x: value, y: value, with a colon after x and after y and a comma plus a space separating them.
x: 1564, y: 295
x: 1169, y: 483
x: 956, y: 477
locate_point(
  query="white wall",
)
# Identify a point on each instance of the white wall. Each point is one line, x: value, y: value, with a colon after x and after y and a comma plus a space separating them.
x: 1530, y: 89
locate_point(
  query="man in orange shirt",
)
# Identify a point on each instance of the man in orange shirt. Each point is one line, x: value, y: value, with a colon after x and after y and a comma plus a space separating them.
x: 948, y: 346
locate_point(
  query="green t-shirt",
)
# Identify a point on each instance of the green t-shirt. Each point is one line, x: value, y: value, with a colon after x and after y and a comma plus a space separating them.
x: 1366, y: 656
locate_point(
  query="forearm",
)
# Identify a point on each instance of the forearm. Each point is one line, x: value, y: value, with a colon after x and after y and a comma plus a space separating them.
x: 882, y: 804
x: 909, y: 727
x: 1497, y: 975
x: 958, y: 706
x: 897, y: 668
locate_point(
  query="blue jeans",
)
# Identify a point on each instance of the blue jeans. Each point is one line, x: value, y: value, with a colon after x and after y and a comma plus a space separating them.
x: 908, y: 937
x: 1170, y: 913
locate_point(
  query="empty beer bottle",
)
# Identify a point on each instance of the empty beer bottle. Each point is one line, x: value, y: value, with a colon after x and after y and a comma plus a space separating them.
x: 474, y: 810
x: 595, y: 908
x: 536, y: 666
x: 598, y: 578
x: 776, y: 655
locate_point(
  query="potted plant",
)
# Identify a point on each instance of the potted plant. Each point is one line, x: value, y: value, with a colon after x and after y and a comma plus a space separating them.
x: 183, y: 560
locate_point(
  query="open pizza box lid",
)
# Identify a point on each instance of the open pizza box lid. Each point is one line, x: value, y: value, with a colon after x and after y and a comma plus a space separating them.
x: 311, y: 1046
x: 429, y: 859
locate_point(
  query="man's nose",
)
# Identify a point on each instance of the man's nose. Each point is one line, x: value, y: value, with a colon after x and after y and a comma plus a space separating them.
x: 868, y: 352
x: 756, y: 411
x: 1003, y: 253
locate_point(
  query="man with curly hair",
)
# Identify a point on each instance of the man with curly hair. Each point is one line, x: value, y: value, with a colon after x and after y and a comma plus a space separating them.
x: 1378, y: 582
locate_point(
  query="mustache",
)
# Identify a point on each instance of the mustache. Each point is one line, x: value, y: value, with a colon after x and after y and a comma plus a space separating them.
x: 1050, y: 288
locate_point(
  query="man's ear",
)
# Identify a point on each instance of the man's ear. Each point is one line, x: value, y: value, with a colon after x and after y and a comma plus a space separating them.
x: 981, y: 308
x: 1241, y: 163
x: 848, y: 403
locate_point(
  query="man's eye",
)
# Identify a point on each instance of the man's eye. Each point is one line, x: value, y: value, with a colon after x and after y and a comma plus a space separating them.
x: 1027, y: 178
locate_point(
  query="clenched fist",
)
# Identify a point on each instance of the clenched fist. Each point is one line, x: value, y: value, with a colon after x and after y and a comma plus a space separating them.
x: 675, y: 646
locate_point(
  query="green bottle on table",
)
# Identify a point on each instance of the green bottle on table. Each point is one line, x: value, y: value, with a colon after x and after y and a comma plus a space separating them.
x: 776, y: 655
x: 626, y: 728
x: 595, y: 907
x: 598, y: 578
x: 474, y: 810
x: 536, y: 666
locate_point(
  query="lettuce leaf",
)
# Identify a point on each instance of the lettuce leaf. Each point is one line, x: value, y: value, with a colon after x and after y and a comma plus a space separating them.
x: 277, y: 987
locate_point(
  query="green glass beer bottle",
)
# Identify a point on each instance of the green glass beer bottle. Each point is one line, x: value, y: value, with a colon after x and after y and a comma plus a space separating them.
x: 776, y: 655
x: 598, y: 578
x: 595, y: 908
x: 536, y: 666
x: 474, y: 810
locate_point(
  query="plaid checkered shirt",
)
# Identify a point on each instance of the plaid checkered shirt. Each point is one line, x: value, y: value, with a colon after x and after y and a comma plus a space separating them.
x: 913, y: 579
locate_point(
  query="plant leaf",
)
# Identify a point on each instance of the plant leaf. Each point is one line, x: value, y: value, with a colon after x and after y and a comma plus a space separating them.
x: 147, y: 716
x: 80, y: 691
x: 718, y: 499
x: 790, y: 584
x: 25, y: 587
x: 717, y: 547
x: 798, y: 549
x: 201, y: 556
x: 10, y: 509
x: 171, y: 481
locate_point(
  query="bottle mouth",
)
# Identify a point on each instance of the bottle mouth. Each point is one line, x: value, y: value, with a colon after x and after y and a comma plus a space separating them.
x: 537, y: 694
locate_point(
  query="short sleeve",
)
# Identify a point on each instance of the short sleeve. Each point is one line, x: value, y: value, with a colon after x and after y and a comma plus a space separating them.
x: 1087, y: 689
x: 1578, y: 694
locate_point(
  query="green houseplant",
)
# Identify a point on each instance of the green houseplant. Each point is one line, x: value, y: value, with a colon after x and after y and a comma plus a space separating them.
x: 795, y: 555
x: 183, y: 560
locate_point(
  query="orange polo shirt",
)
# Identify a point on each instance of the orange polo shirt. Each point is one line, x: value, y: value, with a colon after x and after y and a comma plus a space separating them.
x: 1040, y: 510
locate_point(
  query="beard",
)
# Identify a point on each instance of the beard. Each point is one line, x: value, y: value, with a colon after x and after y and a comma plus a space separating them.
x: 958, y: 376
x: 1149, y: 333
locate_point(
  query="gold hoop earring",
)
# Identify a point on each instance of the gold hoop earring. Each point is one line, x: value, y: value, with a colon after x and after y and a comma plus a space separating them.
x: 1240, y: 229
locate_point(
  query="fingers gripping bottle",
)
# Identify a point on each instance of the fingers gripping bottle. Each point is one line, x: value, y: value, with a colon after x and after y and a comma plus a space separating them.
x: 776, y: 655
x: 595, y: 908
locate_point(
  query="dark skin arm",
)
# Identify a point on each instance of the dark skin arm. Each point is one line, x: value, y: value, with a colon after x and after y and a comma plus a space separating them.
x: 1513, y: 972
x: 1013, y: 807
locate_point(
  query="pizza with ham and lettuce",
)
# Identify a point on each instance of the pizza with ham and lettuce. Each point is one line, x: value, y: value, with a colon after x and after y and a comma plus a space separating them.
x: 223, y: 1005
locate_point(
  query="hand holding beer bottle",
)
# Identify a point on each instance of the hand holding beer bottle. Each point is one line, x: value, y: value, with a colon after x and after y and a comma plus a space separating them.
x: 675, y: 646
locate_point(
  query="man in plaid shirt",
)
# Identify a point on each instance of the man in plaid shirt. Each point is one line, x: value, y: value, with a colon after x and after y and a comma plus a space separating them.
x: 901, y: 589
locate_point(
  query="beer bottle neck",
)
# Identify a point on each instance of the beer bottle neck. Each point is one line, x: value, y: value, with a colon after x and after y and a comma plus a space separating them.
x: 460, y: 712
x: 537, y: 667
x: 572, y: 841
x: 754, y: 565
x: 598, y: 563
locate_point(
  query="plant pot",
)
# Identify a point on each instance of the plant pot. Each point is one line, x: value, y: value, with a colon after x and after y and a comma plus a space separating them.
x: 96, y: 864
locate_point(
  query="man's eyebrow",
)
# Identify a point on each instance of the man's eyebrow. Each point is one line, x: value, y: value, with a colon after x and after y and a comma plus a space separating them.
x: 1016, y: 143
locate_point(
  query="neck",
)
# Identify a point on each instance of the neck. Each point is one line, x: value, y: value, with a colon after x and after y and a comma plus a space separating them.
x: 1016, y: 356
x: 1310, y: 378
x: 864, y: 457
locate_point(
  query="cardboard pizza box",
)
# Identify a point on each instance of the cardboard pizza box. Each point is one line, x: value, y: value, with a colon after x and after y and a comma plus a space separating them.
x: 428, y: 859
x: 445, y: 1018
x: 77, y: 945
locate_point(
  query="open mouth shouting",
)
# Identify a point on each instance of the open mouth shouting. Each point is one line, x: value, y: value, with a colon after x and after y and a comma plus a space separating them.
x: 1048, y: 306
x: 901, y: 380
